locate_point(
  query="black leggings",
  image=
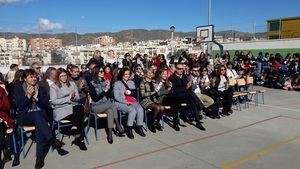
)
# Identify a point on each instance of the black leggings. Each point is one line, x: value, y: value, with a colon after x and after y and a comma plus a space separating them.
x: 157, y: 110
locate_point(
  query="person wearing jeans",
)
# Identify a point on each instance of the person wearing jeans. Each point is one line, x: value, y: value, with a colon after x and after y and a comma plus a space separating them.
x: 125, y: 94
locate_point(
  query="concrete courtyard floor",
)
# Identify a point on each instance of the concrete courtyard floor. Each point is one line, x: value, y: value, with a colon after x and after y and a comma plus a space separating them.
x: 263, y: 137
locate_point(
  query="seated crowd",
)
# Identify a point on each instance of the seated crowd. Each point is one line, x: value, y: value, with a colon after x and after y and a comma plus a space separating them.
x: 187, y: 88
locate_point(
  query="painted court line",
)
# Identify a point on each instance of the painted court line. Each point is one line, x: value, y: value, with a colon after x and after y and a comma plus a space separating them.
x: 258, y: 154
x: 180, y: 144
x: 294, y: 118
x: 282, y: 108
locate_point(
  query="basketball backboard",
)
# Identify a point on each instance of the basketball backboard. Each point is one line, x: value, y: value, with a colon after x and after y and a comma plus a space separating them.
x: 205, y: 33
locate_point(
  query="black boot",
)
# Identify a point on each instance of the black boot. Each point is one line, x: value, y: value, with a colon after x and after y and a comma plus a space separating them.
x: 39, y: 163
x: 109, y: 136
x: 1, y: 161
x: 80, y: 143
x: 7, y: 155
x: 199, y: 126
x: 119, y: 130
x: 129, y: 132
x: 140, y: 131
x: 152, y: 127
x: 57, y: 145
x: 158, y: 126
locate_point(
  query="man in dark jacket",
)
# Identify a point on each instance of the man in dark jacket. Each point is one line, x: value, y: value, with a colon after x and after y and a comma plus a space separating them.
x: 80, y: 83
x: 182, y: 93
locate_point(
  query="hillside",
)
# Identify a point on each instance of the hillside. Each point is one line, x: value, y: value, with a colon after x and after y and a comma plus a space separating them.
x: 131, y: 35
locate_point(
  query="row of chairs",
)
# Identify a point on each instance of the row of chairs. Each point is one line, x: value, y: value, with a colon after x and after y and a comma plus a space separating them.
x: 248, y: 90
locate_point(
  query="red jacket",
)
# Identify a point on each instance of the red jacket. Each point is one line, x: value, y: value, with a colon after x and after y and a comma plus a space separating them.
x: 4, y: 108
x: 108, y: 76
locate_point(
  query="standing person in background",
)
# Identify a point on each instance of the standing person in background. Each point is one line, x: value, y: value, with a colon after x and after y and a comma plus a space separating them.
x: 36, y: 66
x: 138, y: 60
x: 97, y: 59
x: 11, y: 73
x: 112, y: 59
x: 127, y: 61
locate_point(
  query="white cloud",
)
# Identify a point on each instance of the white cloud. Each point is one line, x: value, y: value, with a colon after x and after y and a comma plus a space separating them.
x: 47, y: 26
x: 7, y: 2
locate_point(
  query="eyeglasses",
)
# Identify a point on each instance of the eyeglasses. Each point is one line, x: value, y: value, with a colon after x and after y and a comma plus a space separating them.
x: 222, y: 69
x: 83, y: 68
x: 101, y: 71
x: 179, y: 68
x: 195, y: 70
x: 37, y: 67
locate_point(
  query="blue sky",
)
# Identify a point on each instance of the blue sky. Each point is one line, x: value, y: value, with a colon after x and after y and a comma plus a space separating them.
x: 116, y: 15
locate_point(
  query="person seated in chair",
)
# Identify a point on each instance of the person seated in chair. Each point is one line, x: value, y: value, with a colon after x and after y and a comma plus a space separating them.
x: 148, y: 94
x: 64, y: 99
x: 182, y: 86
x: 221, y: 83
x: 102, y: 103
x: 6, y: 122
x: 125, y: 95
x: 30, y: 101
x: 195, y: 76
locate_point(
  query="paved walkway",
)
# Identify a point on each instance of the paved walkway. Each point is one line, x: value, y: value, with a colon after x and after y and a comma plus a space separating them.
x: 263, y: 137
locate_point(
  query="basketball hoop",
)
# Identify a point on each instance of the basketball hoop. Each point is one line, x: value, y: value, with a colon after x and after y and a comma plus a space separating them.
x: 204, y: 33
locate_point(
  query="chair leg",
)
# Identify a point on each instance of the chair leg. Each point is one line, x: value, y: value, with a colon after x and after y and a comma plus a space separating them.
x: 14, y: 143
x: 96, y: 127
x: 146, y: 119
x: 88, y: 124
x: 238, y: 102
x: 263, y: 98
x: 86, y: 130
x: 58, y: 130
x: 162, y: 121
x: 22, y: 142
x: 120, y: 119
x: 256, y: 99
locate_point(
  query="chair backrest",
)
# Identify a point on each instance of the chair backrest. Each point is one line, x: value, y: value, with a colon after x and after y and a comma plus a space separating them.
x: 241, y: 82
x: 250, y: 80
x: 231, y: 82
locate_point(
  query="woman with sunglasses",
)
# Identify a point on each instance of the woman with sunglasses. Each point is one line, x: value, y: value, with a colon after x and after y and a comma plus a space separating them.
x: 64, y: 97
x: 104, y: 104
x: 221, y: 84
